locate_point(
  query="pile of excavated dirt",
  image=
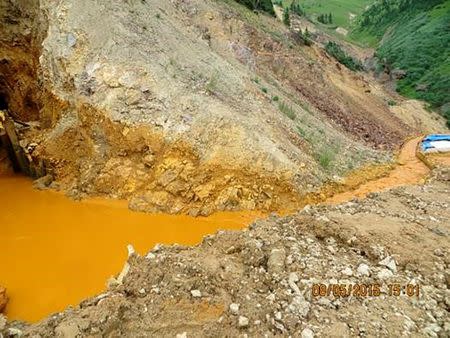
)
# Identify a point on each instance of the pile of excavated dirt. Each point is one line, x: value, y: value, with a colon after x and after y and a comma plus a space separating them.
x: 260, y: 282
x: 188, y: 106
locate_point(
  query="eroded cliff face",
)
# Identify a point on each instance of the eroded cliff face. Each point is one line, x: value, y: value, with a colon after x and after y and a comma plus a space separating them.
x: 186, y: 106
x: 21, y: 35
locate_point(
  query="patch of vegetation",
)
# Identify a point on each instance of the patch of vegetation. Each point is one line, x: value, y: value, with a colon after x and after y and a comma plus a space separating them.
x: 336, y: 51
x: 392, y: 103
x: 287, y: 110
x: 326, y: 154
x: 306, y: 37
x: 415, y: 38
x: 264, y: 90
x: 286, y: 17
x: 325, y: 18
x: 342, y: 10
x: 212, y: 84
x: 261, y: 5
x: 325, y: 157
x: 295, y: 7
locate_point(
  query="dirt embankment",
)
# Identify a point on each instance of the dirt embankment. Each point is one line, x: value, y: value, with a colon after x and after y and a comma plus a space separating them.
x: 260, y: 281
x: 200, y: 107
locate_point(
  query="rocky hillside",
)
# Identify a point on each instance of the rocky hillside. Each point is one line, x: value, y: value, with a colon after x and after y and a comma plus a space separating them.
x: 412, y: 39
x: 189, y: 106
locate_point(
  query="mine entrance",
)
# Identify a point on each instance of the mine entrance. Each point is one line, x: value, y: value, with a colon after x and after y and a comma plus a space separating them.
x: 7, y: 155
x: 11, y: 150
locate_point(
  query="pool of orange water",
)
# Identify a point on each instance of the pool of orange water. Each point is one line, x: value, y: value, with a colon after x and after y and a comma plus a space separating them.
x: 55, y: 252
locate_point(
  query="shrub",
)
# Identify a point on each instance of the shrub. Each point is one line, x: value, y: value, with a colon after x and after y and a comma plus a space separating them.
x: 306, y: 37
x: 287, y: 110
x: 262, y: 5
x: 286, y: 17
x: 212, y: 85
x: 336, y: 51
x: 325, y: 157
x: 297, y: 9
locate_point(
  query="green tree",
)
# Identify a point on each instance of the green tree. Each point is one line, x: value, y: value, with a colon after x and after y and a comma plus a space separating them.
x: 286, y: 17
x: 297, y: 9
x: 307, y: 37
x: 263, y: 5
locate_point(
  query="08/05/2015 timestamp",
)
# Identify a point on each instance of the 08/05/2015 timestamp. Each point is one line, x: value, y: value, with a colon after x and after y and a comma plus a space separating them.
x: 365, y: 290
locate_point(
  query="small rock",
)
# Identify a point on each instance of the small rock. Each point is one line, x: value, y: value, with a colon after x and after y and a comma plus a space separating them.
x: 439, y: 252
x: 149, y: 160
x: 234, y: 308
x: 389, y: 262
x: 275, y: 264
x: 242, y: 321
x: 150, y: 255
x: 384, y: 274
x: 67, y: 330
x: 307, y: 333
x: 347, y: 271
x: 299, y: 306
x: 196, y: 293
x: 14, y: 332
x: 2, y: 322
x: 363, y: 270
x: 43, y: 182
x: 182, y: 335
x: 292, y: 281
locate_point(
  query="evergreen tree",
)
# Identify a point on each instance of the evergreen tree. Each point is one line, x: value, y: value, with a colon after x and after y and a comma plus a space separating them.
x: 286, y: 17
x: 307, y: 37
x: 330, y: 18
x: 263, y: 5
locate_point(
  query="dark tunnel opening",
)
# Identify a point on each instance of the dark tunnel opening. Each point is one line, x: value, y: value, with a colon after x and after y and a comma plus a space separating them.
x: 3, y: 101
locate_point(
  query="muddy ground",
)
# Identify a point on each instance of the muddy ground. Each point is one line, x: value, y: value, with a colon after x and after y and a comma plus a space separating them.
x: 259, y: 282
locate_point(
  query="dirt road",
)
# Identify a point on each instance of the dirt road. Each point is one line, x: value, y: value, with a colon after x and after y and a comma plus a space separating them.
x: 410, y: 170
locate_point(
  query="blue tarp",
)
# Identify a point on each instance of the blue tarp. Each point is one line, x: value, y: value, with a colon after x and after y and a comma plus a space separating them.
x: 426, y: 142
x: 437, y: 137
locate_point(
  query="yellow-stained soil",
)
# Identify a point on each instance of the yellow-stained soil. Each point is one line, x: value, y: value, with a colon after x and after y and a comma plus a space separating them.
x: 56, y: 252
x: 410, y: 170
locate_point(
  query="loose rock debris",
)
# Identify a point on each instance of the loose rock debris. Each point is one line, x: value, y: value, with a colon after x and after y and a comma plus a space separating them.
x: 260, y: 282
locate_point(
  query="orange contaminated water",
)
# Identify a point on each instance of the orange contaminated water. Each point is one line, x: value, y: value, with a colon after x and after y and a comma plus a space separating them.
x: 410, y: 170
x: 55, y: 252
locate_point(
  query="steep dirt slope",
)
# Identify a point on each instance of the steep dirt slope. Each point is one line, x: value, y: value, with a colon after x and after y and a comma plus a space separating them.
x: 187, y: 106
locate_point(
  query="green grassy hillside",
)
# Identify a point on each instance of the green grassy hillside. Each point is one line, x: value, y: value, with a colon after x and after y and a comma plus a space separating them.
x: 413, y: 36
x: 341, y: 10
